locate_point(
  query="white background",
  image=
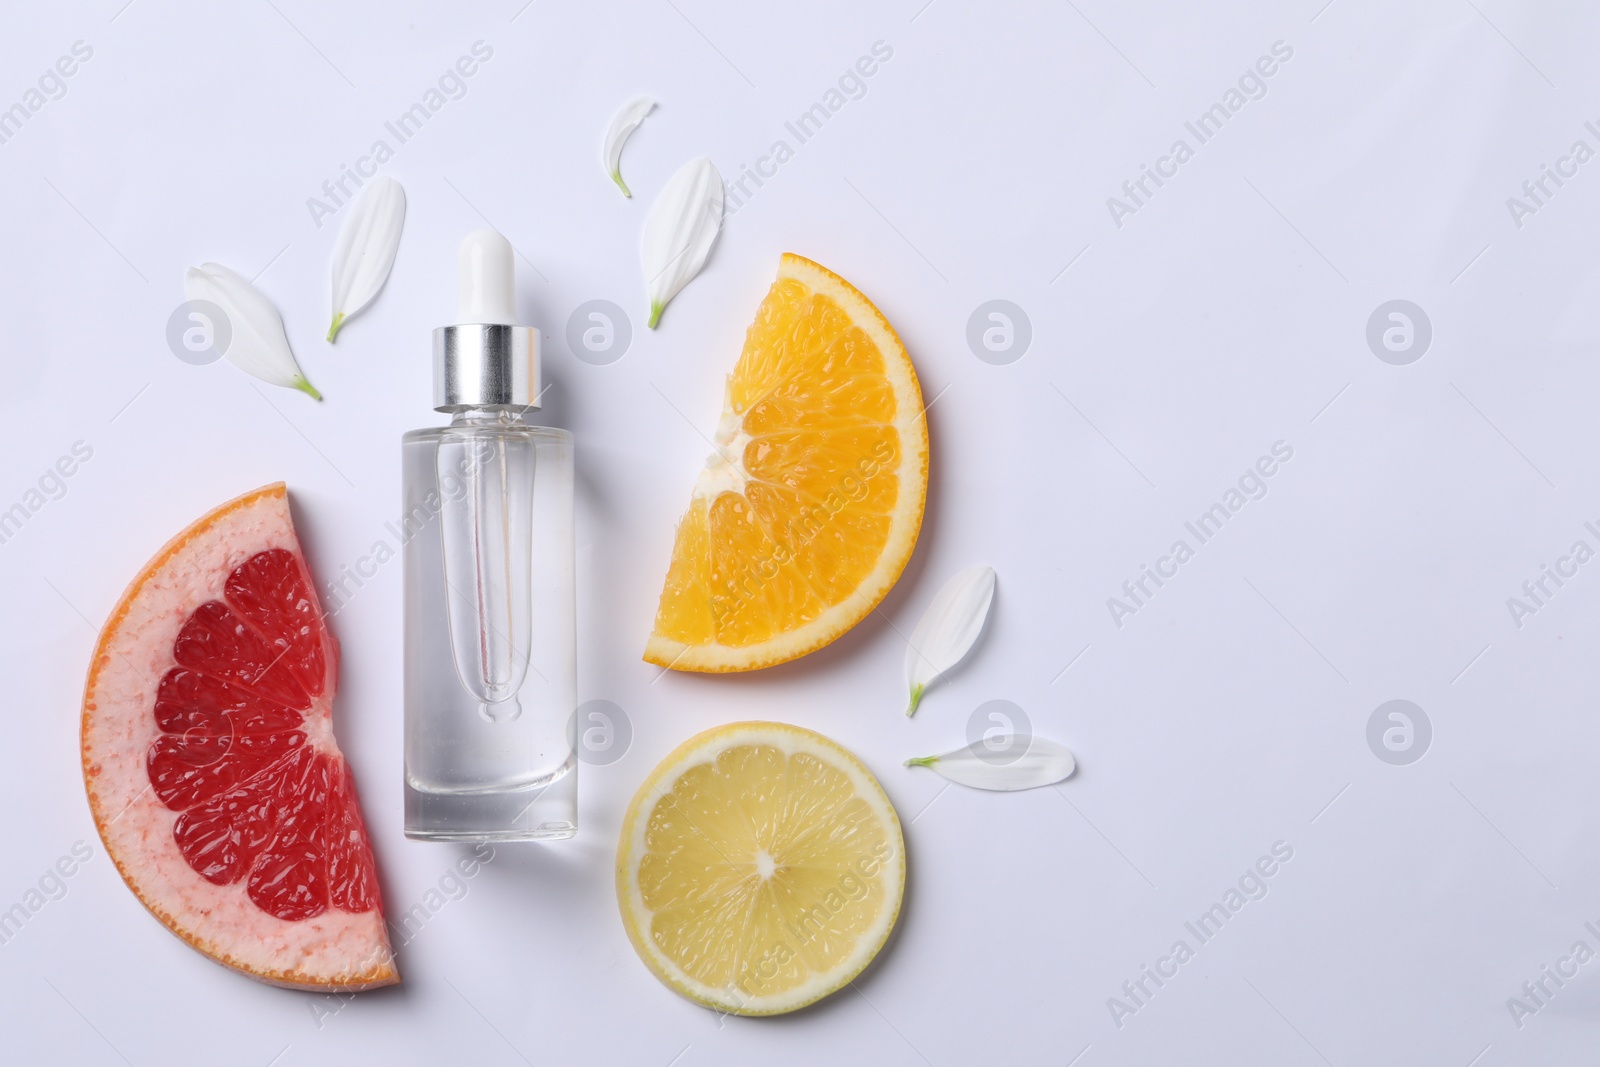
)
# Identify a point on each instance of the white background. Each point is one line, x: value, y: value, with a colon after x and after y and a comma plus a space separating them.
x: 1229, y: 313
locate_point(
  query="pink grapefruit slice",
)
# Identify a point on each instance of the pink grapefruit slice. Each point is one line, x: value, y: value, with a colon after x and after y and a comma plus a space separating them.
x: 209, y: 757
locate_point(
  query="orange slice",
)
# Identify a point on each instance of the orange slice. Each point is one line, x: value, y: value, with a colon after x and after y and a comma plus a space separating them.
x: 808, y: 510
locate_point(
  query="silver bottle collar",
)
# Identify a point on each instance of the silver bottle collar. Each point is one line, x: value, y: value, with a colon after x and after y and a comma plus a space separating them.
x: 485, y: 365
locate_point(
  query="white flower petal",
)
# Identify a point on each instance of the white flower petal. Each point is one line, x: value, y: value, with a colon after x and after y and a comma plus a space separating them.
x: 626, y: 121
x: 948, y: 629
x: 259, y: 345
x: 680, y: 231
x: 365, y: 251
x: 1006, y: 763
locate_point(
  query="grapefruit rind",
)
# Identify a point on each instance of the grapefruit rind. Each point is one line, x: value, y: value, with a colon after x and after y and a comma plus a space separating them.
x: 631, y: 848
x: 336, y: 951
x: 911, y: 421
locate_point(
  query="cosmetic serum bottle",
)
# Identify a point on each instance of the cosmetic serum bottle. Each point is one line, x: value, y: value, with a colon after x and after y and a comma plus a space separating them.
x: 490, y: 659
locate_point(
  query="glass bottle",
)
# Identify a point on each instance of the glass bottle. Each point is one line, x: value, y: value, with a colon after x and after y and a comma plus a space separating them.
x: 490, y: 657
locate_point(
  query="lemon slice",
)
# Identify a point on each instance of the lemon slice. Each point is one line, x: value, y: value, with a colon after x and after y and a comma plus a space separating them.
x: 760, y: 868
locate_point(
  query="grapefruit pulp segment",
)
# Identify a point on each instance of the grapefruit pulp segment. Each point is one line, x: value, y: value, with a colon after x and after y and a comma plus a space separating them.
x: 210, y: 762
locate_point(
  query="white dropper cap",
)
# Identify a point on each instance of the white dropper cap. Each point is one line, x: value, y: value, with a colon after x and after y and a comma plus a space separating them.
x: 485, y: 280
x: 486, y: 360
